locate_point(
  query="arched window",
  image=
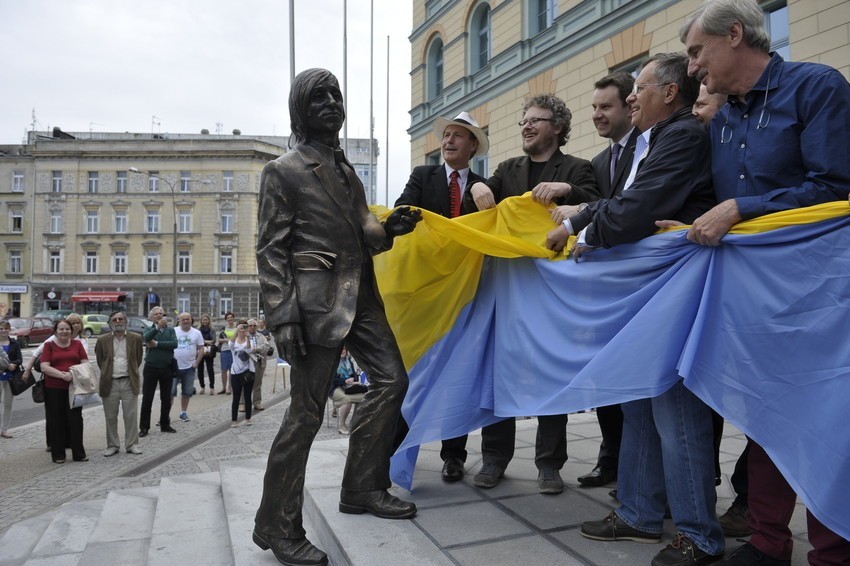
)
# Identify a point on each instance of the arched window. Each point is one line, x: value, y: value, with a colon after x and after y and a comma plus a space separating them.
x: 479, y: 38
x: 434, y: 69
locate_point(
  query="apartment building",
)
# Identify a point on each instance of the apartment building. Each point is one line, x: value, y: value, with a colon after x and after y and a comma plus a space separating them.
x: 487, y: 57
x: 104, y: 220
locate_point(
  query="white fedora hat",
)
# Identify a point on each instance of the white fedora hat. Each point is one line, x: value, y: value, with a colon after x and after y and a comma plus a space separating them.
x: 464, y: 120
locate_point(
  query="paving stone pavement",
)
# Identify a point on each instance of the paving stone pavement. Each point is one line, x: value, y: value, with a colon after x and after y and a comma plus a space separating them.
x: 465, y: 525
x: 31, y: 484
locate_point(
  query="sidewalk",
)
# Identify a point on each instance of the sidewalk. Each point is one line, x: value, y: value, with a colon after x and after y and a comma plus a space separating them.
x: 456, y: 524
x: 30, y: 483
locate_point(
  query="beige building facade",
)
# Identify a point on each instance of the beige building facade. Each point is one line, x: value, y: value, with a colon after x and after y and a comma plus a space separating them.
x: 488, y: 57
x: 88, y: 232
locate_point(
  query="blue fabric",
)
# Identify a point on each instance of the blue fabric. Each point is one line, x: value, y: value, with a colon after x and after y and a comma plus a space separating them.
x: 801, y: 157
x: 757, y: 327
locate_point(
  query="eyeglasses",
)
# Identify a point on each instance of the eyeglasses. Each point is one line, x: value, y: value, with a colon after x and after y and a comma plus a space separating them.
x: 637, y: 89
x: 726, y: 130
x: 533, y: 122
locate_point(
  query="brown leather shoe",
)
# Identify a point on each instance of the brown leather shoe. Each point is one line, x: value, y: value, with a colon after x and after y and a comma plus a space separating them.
x: 378, y: 502
x: 291, y: 551
x: 734, y: 521
x: 612, y: 528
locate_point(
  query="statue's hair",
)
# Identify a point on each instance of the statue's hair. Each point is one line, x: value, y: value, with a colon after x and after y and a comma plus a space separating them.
x: 299, y: 98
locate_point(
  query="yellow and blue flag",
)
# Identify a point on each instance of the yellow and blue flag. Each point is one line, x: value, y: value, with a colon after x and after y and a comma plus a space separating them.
x: 491, y: 325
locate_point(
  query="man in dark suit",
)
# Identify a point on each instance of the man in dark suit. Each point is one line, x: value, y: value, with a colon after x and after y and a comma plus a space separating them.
x: 552, y: 177
x: 611, y: 167
x: 314, y: 257
x: 431, y: 187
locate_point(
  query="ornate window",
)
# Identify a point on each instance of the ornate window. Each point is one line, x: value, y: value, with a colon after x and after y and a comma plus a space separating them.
x: 479, y: 38
x: 434, y: 69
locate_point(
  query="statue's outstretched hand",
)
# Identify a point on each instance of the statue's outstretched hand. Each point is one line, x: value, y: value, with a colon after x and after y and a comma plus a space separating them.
x: 402, y: 221
x: 290, y: 341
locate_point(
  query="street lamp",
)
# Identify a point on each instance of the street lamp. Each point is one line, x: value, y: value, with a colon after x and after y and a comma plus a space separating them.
x: 174, y: 228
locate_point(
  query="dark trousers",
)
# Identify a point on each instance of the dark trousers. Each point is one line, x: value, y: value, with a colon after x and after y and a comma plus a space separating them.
x: 151, y: 378
x: 611, y: 424
x: 208, y: 363
x: 497, y: 443
x: 65, y: 424
x: 371, y: 342
x: 772, y: 503
x: 740, y: 477
x: 239, y: 388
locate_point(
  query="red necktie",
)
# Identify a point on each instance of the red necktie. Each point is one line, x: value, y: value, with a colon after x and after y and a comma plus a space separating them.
x: 454, y: 194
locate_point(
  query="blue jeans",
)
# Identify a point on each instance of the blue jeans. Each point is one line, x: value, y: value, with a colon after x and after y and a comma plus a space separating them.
x: 186, y: 379
x: 668, y: 441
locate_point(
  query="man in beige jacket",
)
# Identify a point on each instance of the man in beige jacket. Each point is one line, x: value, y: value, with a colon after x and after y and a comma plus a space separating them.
x: 119, y: 357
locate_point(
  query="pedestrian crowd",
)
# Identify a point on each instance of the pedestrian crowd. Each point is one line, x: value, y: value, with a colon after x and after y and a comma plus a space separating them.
x: 130, y: 366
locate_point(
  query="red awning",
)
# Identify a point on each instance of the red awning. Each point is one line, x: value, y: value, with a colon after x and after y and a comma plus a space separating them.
x: 98, y: 297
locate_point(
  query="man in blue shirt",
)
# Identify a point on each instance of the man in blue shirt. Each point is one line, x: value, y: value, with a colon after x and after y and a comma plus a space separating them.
x: 780, y: 143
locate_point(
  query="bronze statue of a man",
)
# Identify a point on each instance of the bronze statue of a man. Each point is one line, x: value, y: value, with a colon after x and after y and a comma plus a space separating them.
x: 314, y: 255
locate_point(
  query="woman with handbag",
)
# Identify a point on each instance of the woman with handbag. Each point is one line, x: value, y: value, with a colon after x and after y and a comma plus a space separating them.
x: 11, y: 360
x: 241, y: 373
x: 210, y: 350
x: 76, y: 322
x: 63, y: 422
x: 227, y: 334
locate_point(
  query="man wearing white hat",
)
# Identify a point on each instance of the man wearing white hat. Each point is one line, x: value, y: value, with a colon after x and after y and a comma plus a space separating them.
x: 440, y: 189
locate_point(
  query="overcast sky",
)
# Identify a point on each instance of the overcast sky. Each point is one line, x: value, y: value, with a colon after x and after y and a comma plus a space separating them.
x: 111, y: 65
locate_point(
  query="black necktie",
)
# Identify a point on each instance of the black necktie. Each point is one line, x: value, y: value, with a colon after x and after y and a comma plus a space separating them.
x: 615, y: 154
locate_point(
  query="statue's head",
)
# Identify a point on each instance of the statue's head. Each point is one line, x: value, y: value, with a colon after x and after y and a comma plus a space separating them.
x: 315, y: 107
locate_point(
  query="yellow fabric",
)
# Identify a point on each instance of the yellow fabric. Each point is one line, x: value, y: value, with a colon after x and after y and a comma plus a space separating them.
x: 429, y: 276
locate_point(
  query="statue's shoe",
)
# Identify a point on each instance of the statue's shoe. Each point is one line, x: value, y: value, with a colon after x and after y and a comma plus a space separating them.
x: 377, y: 502
x: 291, y: 551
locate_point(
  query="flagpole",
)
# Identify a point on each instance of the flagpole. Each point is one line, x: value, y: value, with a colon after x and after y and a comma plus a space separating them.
x: 372, y: 185
x: 387, y: 142
x: 345, y: 74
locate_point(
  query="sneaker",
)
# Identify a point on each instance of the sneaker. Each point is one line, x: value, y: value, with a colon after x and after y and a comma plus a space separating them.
x: 613, y: 528
x: 184, y: 416
x: 489, y: 475
x: 748, y: 555
x: 111, y: 451
x: 134, y: 450
x: 734, y: 521
x: 683, y: 552
x: 549, y: 481
x: 203, y: 390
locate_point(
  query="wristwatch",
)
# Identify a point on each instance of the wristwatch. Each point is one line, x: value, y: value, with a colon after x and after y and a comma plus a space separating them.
x: 583, y: 206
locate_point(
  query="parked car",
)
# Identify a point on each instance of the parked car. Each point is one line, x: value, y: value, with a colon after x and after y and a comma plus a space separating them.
x: 31, y: 330
x: 53, y: 315
x: 95, y: 324
x: 137, y: 324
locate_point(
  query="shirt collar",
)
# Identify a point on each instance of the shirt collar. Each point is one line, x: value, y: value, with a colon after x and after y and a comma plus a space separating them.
x: 625, y: 139
x: 463, y: 175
